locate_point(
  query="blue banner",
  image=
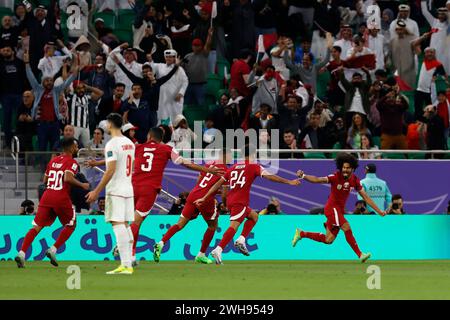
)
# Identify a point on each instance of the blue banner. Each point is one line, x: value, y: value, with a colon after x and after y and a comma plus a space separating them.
x: 390, y: 238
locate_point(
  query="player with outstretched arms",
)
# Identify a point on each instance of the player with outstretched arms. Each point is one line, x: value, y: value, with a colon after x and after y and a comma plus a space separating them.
x: 208, y: 210
x: 240, y: 178
x: 119, y: 200
x: 342, y: 182
x: 55, y: 202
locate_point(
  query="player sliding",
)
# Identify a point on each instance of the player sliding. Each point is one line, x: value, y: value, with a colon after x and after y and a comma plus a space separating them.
x: 56, y: 202
x: 119, y: 205
x: 240, y: 178
x: 342, y: 182
x: 190, y: 212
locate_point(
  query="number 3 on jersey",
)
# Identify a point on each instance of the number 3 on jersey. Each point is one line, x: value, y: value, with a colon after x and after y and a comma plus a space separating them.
x: 148, y: 155
x: 237, y: 178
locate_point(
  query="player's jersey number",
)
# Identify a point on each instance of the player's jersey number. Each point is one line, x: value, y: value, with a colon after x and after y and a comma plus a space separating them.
x: 237, y: 178
x: 148, y: 156
x: 205, y: 180
x: 129, y: 165
x: 55, y: 180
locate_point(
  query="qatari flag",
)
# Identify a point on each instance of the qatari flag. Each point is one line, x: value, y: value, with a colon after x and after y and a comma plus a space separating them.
x: 367, y: 60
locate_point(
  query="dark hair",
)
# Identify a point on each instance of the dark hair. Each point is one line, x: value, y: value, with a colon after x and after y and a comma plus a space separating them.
x: 136, y: 84
x: 27, y: 203
x: 308, y: 54
x: 119, y: 84
x: 441, y: 92
x: 357, y: 74
x: 147, y: 66
x: 67, y: 143
x: 167, y: 136
x: 369, y: 137
x: 381, y: 73
x: 293, y: 96
x: 101, y: 130
x: 270, y: 67
x: 100, y: 198
x: 115, y: 119
x: 337, y: 48
x: 342, y: 158
x: 396, y: 197
x: 371, y: 168
x: 156, y: 133
x: 289, y: 130
x: 262, y: 105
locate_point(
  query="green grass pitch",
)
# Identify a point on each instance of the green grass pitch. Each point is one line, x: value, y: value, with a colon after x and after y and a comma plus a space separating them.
x: 234, y: 280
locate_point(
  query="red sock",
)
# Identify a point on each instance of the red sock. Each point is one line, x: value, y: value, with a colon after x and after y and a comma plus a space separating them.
x: 316, y: 236
x: 352, y: 242
x: 135, y: 230
x: 207, y: 237
x: 169, y: 234
x: 31, y: 234
x: 248, y: 226
x: 63, y: 236
x: 227, y: 236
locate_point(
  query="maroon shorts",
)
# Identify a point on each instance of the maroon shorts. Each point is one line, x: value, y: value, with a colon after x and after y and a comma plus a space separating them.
x: 239, y: 213
x: 144, y: 199
x: 46, y: 215
x: 335, y: 219
x: 208, y: 210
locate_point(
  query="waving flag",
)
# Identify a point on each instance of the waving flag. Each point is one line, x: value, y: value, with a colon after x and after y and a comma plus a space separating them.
x: 262, y: 54
x: 213, y: 11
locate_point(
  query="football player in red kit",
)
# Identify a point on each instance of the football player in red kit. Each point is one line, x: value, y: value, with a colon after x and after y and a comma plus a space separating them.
x: 190, y: 211
x: 56, y: 202
x: 151, y: 159
x: 240, y: 178
x: 342, y: 182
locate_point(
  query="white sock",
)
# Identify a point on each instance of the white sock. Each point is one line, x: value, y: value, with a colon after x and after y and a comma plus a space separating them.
x: 161, y: 243
x: 123, y: 244
x: 241, y: 239
x: 201, y: 254
x: 130, y: 236
x: 218, y: 249
x: 21, y: 253
x: 53, y: 249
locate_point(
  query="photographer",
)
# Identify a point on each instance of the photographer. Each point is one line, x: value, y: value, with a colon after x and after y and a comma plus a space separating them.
x: 397, y: 205
x: 178, y: 205
x: 26, y: 208
x: 392, y: 107
x: 274, y: 207
x: 361, y: 208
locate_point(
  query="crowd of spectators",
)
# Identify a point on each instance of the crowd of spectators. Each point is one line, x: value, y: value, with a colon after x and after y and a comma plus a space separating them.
x: 328, y: 74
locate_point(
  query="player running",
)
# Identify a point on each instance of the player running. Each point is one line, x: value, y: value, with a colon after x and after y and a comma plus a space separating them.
x: 56, y: 202
x: 119, y: 204
x: 240, y: 178
x: 342, y: 182
x: 190, y: 212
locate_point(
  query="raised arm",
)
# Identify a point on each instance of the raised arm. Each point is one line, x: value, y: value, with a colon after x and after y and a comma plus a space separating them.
x: 426, y: 13
x: 275, y: 178
x: 370, y: 202
x: 310, y: 178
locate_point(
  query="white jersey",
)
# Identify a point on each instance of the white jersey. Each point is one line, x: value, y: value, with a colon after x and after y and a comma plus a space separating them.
x: 121, y: 150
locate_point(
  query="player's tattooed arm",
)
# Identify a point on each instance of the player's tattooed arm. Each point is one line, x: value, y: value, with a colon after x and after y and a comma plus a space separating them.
x: 70, y: 179
x: 370, y: 202
x: 312, y: 179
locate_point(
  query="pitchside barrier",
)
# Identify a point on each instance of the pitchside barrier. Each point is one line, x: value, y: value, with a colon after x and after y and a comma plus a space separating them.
x: 387, y: 238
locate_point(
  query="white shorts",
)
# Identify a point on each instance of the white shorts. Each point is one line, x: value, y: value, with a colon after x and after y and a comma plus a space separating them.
x: 119, y: 209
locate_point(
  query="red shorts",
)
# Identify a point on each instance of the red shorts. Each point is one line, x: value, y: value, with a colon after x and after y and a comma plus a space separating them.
x: 239, y: 213
x: 335, y: 219
x: 208, y: 210
x: 144, y: 198
x: 46, y: 215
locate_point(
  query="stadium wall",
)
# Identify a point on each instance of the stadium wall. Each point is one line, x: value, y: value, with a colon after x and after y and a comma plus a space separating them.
x: 387, y: 238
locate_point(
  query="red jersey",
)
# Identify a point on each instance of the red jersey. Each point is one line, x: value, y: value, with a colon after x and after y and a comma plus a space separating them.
x: 340, y: 189
x: 150, y: 160
x: 240, y: 177
x: 47, y: 110
x: 206, y: 181
x: 237, y: 72
x: 58, y: 191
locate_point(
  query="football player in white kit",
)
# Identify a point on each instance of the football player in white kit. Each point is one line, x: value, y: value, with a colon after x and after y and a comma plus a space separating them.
x: 119, y: 206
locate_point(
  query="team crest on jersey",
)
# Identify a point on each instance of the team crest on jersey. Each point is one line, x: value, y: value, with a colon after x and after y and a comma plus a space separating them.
x: 74, y: 167
x: 109, y: 154
x: 339, y: 186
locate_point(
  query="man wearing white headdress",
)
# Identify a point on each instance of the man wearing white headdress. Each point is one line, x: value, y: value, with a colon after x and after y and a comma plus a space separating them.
x: 171, y: 94
x: 411, y: 25
x: 439, y: 27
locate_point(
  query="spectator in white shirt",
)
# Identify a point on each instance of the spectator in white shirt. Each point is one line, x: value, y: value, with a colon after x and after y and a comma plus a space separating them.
x: 376, y: 43
x: 51, y: 64
x: 403, y: 14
